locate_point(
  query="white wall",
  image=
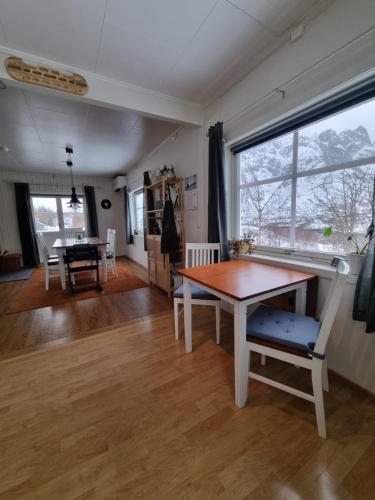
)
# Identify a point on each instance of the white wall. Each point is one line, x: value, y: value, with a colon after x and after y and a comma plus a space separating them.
x: 58, y: 184
x: 337, y: 46
x: 185, y: 153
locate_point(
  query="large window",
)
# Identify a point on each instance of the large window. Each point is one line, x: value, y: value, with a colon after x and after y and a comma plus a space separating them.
x: 51, y: 213
x: 295, y: 186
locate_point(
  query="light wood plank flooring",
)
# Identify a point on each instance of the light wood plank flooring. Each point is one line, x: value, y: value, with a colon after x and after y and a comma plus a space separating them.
x: 127, y: 414
x: 33, y: 329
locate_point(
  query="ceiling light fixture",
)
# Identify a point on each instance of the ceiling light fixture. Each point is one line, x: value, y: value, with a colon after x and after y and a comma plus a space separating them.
x: 74, y: 202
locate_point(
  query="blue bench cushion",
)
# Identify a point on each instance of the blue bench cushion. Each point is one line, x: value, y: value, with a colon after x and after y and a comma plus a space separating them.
x: 284, y: 328
x: 196, y: 293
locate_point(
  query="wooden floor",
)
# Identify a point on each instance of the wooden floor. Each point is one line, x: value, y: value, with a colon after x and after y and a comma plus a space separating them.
x: 36, y: 328
x: 127, y: 414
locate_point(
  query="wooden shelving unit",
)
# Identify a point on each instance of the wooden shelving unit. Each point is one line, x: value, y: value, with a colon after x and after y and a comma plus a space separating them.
x: 160, y: 267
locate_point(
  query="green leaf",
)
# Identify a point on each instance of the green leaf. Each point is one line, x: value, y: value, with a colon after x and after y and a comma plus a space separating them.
x: 328, y: 232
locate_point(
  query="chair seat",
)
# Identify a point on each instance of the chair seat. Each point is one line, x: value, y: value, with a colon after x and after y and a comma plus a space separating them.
x: 283, y: 328
x: 108, y: 255
x: 196, y: 293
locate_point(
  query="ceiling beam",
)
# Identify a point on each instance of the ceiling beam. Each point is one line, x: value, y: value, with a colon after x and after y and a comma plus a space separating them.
x: 111, y: 93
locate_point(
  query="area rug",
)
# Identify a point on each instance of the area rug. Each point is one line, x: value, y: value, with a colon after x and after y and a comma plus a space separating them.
x: 33, y: 295
x: 22, y: 274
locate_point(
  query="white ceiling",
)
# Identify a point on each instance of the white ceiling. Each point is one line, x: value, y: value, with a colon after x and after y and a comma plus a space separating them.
x: 36, y: 127
x: 190, y: 49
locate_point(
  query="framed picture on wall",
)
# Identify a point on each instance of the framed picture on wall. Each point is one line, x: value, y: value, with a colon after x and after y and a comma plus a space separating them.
x: 191, y: 192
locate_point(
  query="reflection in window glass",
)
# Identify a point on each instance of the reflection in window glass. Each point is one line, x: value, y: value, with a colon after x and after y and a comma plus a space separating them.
x: 45, y: 214
x: 73, y: 218
x: 265, y: 211
x: 271, y: 159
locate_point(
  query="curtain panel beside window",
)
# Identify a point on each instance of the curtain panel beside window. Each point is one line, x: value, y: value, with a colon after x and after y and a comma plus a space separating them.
x: 128, y: 221
x: 217, y: 216
x: 30, y: 254
x: 92, y: 218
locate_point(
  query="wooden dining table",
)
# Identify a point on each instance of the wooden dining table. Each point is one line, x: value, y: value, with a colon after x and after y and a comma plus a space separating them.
x: 243, y: 284
x: 61, y: 244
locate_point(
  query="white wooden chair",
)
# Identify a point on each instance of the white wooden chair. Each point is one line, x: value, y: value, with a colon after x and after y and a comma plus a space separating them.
x: 110, y: 253
x: 50, y: 263
x: 198, y: 254
x: 299, y: 340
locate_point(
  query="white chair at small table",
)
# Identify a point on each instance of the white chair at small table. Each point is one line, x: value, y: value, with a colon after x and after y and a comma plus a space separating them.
x: 110, y: 253
x: 199, y: 254
x: 50, y: 262
x: 299, y: 340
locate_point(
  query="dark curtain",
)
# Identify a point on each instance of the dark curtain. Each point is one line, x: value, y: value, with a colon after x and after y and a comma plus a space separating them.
x: 149, y: 205
x: 364, y: 297
x: 217, y: 217
x: 128, y: 220
x: 92, y: 218
x: 30, y: 254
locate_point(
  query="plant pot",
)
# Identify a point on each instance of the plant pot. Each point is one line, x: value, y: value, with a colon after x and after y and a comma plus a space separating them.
x: 355, y: 262
x: 10, y: 263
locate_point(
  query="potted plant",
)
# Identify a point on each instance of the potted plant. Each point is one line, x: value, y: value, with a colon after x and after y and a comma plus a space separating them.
x: 243, y: 246
x: 166, y: 171
x: 355, y: 259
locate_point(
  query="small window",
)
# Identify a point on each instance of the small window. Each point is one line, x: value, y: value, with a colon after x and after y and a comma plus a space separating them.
x: 73, y: 218
x: 52, y: 214
x: 45, y: 214
x: 138, y: 211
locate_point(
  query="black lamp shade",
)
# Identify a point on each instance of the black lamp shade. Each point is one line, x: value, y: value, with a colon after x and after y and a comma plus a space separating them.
x: 74, y: 201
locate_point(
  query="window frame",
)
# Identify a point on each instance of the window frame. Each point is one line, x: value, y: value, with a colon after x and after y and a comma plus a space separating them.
x: 133, y: 211
x: 60, y: 213
x: 293, y: 177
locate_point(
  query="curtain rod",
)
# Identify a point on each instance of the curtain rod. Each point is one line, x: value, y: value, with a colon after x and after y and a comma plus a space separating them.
x: 281, y: 88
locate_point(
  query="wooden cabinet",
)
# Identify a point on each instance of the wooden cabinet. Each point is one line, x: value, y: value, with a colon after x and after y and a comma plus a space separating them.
x: 160, y: 268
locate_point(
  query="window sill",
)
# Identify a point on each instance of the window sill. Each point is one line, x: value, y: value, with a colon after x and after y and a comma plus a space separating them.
x: 321, y: 270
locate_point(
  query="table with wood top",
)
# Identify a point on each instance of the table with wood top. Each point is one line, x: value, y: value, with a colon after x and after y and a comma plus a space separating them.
x: 243, y: 284
x: 61, y: 244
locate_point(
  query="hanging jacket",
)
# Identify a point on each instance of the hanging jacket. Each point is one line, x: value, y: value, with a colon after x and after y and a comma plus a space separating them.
x: 170, y: 241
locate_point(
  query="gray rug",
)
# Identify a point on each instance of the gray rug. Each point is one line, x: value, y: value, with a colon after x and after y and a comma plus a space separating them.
x: 22, y: 274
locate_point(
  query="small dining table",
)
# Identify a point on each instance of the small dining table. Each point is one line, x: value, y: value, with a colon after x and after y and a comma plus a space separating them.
x: 61, y: 244
x: 242, y: 283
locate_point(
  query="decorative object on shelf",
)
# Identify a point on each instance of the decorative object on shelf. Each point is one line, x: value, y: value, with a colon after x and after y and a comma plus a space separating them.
x: 106, y: 204
x: 355, y: 259
x: 166, y: 171
x: 243, y: 246
x: 74, y: 202
x: 46, y: 77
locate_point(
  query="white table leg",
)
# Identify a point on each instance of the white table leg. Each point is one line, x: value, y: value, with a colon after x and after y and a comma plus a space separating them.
x: 187, y: 316
x: 301, y: 298
x: 241, y: 355
x: 60, y: 253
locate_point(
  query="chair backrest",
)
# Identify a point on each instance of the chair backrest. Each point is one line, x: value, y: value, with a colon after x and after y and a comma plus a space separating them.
x: 81, y: 252
x: 111, y: 238
x: 201, y: 254
x: 70, y: 235
x: 331, y: 306
x: 43, y: 250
